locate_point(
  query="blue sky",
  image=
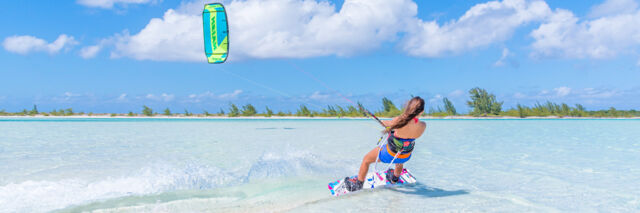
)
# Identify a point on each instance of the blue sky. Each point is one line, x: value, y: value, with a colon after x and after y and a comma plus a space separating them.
x: 116, y: 55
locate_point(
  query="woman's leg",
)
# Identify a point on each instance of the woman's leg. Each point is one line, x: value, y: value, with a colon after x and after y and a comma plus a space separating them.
x: 398, y: 171
x: 366, y: 161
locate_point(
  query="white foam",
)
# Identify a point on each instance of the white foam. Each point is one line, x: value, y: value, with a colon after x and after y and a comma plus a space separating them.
x: 41, y: 196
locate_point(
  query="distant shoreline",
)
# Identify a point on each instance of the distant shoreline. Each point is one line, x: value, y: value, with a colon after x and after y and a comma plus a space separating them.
x: 318, y: 118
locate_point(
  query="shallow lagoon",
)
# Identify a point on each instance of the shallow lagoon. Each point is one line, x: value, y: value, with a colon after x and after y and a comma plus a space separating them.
x: 220, y: 165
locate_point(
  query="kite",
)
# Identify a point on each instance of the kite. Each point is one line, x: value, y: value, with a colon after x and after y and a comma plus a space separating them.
x: 216, y: 33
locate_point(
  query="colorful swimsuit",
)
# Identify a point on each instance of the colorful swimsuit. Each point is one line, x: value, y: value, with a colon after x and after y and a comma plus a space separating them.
x: 389, y: 150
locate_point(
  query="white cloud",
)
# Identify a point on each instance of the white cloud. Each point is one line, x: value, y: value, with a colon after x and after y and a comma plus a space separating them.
x: 312, y: 28
x: 26, y: 44
x: 90, y: 51
x: 122, y: 97
x: 564, y: 35
x: 569, y: 94
x: 108, y: 4
x: 503, y: 58
x: 598, y: 93
x: 197, y: 98
x: 519, y: 95
x: 319, y: 96
x: 175, y: 37
x: 562, y: 91
x: 481, y: 25
x: 273, y: 29
x: 613, y: 7
x: 435, y: 98
x: 234, y: 94
x: 456, y: 93
x: 70, y: 97
x: 163, y: 97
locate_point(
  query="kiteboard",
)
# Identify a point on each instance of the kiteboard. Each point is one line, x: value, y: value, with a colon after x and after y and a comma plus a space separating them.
x: 373, y: 180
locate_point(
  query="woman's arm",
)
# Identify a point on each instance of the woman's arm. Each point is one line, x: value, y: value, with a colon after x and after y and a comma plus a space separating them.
x: 389, y: 122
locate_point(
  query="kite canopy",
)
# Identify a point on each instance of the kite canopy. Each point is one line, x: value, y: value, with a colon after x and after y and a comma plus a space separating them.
x: 216, y: 33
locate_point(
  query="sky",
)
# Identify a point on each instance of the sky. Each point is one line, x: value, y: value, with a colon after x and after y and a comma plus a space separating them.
x: 116, y: 55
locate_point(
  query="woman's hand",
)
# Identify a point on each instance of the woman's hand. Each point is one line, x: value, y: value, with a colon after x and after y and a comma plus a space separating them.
x: 389, y: 123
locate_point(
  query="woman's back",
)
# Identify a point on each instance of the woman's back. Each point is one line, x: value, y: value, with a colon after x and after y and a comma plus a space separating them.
x: 413, y: 129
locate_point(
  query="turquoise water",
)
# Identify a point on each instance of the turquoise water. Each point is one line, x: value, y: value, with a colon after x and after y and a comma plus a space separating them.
x: 188, y: 165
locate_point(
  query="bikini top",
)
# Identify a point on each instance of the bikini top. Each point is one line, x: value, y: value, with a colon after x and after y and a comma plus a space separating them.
x: 404, y: 144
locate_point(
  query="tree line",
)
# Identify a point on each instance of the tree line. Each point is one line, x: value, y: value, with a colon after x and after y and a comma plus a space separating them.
x: 481, y: 103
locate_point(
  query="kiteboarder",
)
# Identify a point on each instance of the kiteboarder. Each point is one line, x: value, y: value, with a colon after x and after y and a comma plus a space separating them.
x: 402, y: 132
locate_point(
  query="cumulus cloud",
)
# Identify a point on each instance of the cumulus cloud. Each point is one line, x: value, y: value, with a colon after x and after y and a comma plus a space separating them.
x: 436, y: 98
x: 599, y: 93
x: 273, y: 29
x: 197, y: 98
x: 175, y: 37
x: 481, y: 25
x: 562, y: 91
x: 613, y: 7
x: 312, y: 28
x: 319, y: 96
x: 456, y: 93
x: 25, y: 44
x: 503, y: 59
x: 162, y: 97
x: 570, y: 94
x: 122, y: 97
x: 90, y: 51
x: 108, y: 4
x: 616, y: 31
x: 233, y: 94
x: 70, y: 97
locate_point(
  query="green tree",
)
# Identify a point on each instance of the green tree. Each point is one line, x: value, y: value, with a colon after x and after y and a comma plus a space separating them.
x: 389, y: 109
x: 496, y: 108
x: 448, y: 106
x: 341, y: 111
x: 483, y: 103
x: 187, y: 113
x: 565, y: 110
x: 304, y: 111
x: 68, y: 112
x: 234, y: 111
x: 248, y: 110
x: 578, y: 111
x: 353, y: 111
x: 131, y: 114
x: 613, y: 112
x: 268, y: 112
x: 34, y: 111
x: 206, y: 113
x: 522, y: 111
x: 167, y: 112
x: 330, y: 111
x: 147, y: 111
x: 221, y: 112
x: 2, y: 112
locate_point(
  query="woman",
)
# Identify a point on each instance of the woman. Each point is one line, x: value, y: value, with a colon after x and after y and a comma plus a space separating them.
x: 402, y: 130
